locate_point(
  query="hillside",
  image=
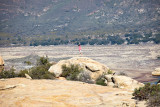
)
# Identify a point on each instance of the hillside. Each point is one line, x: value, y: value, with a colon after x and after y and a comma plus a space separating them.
x: 27, y: 18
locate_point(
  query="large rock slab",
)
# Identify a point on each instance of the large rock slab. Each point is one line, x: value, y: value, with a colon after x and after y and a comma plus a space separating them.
x: 122, y: 82
x: 91, y: 67
x: 62, y: 93
x: 156, y: 72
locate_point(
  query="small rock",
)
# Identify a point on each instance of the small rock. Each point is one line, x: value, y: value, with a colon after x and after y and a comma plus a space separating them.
x: 2, y: 79
x: 28, y: 77
x: 108, y: 78
x: 110, y: 84
x: 105, y: 81
x: 122, y: 82
x: 156, y: 72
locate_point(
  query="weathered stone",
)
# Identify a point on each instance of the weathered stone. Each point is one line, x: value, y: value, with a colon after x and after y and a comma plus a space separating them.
x: 156, y: 72
x: 127, y: 82
x: 1, y: 64
x: 27, y: 76
x: 92, y: 67
x: 1, y: 61
x: 95, y: 68
x: 108, y: 78
x: 58, y: 93
x: 3, y: 79
x: 110, y: 84
x: 122, y: 82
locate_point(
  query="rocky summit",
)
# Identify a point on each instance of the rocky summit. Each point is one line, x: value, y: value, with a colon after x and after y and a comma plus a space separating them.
x: 93, y: 70
x: 91, y: 67
x: 22, y: 92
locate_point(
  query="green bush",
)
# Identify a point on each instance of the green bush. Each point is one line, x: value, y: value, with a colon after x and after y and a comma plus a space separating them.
x: 150, y: 93
x: 40, y: 72
x: 8, y: 74
x: 71, y: 72
x: 43, y: 61
x: 22, y: 73
x: 110, y: 71
x: 154, y: 100
x: 101, y: 81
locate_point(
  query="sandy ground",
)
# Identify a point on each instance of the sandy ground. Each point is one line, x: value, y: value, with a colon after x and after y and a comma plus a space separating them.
x: 137, y: 61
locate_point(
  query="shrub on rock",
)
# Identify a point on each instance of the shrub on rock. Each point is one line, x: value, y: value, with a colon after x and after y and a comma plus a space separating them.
x: 8, y: 73
x: 101, y: 81
x: 110, y: 71
x: 149, y: 92
x: 71, y: 72
x: 41, y: 70
x: 43, y: 61
x: 22, y: 73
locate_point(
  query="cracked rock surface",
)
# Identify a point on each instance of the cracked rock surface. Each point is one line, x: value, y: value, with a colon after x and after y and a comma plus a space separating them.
x: 63, y: 93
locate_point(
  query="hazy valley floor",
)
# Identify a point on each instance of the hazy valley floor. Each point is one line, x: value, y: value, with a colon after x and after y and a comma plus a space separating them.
x: 137, y: 61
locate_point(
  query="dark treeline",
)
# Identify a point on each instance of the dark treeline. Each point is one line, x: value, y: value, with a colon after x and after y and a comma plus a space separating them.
x: 128, y: 38
x: 101, y: 40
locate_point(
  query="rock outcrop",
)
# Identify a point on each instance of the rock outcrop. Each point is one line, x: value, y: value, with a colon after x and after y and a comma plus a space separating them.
x: 122, y: 82
x: 22, y: 92
x: 156, y: 72
x: 1, y: 61
x: 92, y: 68
x: 1, y: 64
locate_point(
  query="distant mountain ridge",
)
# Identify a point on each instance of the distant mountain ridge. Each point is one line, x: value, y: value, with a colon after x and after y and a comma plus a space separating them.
x: 44, y: 17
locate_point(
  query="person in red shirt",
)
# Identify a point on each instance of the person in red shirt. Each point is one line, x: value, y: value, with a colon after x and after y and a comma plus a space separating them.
x: 79, y: 49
